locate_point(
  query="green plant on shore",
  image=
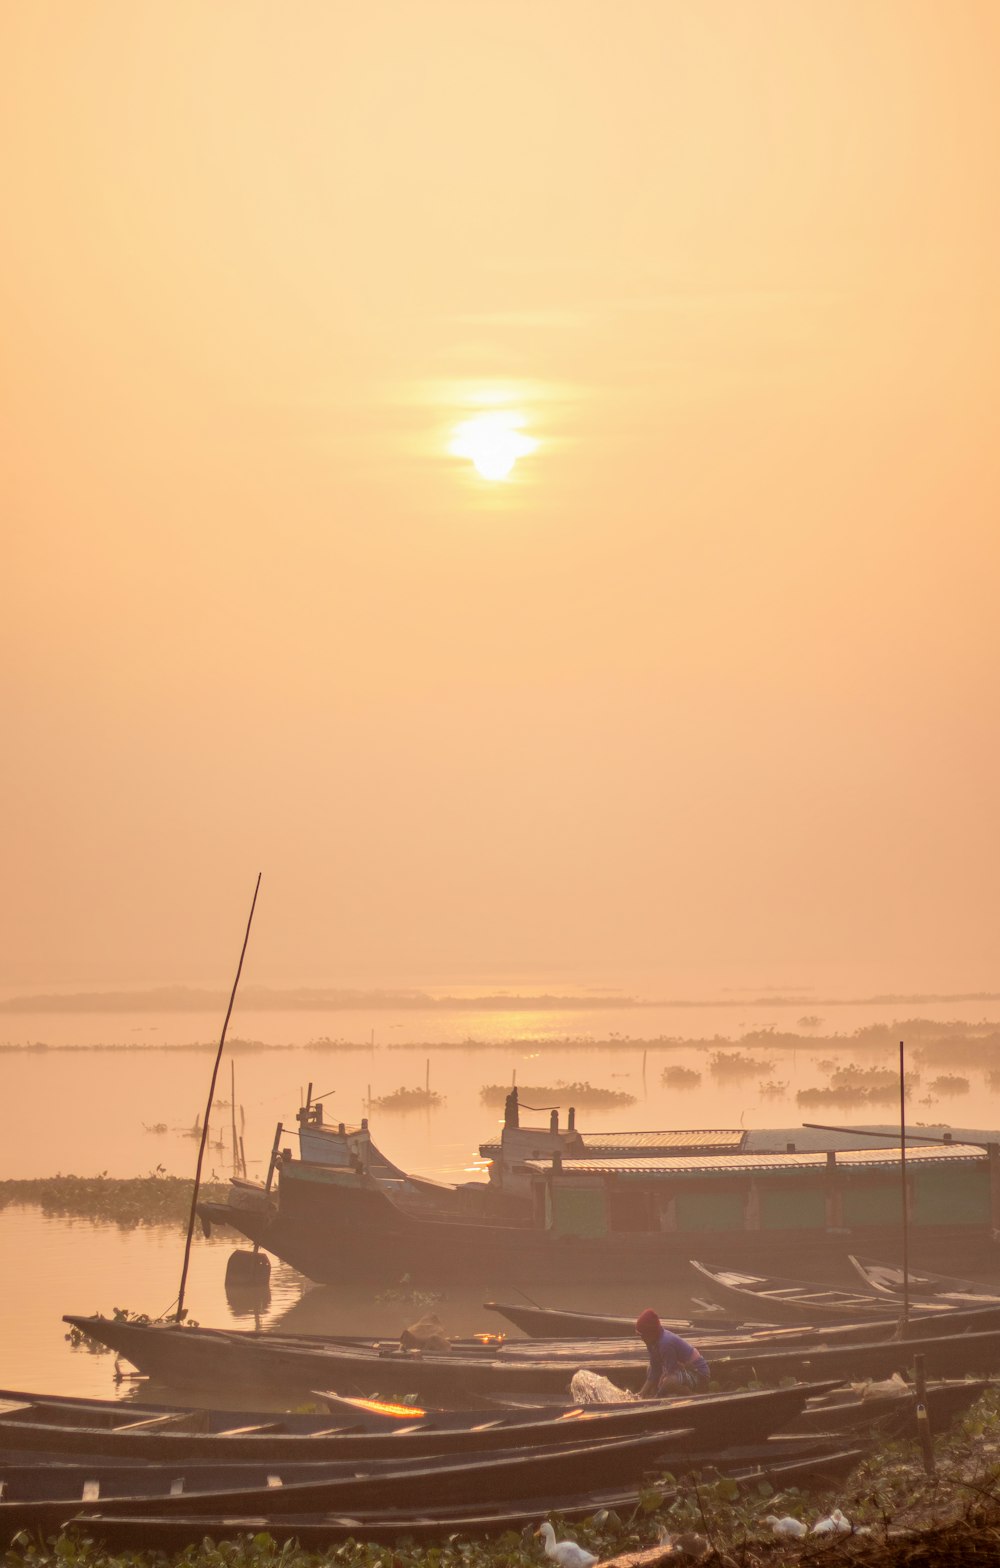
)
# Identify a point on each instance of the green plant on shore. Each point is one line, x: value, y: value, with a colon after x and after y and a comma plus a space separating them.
x: 156, y: 1199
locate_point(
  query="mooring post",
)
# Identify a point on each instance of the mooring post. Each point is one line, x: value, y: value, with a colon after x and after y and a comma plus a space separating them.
x: 923, y: 1420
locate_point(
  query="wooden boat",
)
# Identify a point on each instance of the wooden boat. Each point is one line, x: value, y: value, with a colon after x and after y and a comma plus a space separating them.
x: 893, y: 1414
x: 634, y: 1219
x: 161, y: 1434
x: 208, y: 1358
x: 38, y: 1496
x: 886, y: 1280
x: 148, y: 1531
x: 558, y: 1323
x: 426, y: 1482
x: 769, y: 1300
x: 794, y: 1302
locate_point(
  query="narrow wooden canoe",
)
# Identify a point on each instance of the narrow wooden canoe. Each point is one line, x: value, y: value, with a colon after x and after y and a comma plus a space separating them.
x: 891, y: 1414
x: 887, y: 1281
x: 770, y: 1300
x: 790, y: 1301
x: 205, y: 1358
x: 557, y: 1322
x: 718, y: 1420
x: 424, y: 1483
x: 146, y: 1530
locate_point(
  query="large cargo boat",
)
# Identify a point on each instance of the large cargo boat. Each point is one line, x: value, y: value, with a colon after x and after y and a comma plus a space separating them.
x: 639, y: 1220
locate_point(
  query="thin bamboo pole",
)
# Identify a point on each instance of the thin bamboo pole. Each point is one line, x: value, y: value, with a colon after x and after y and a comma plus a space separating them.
x: 179, y: 1315
x: 902, y: 1178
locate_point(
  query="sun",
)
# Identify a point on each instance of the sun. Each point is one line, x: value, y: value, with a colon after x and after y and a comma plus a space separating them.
x: 492, y: 442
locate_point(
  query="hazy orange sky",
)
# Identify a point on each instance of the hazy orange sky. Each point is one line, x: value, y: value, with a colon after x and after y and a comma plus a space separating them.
x: 707, y: 690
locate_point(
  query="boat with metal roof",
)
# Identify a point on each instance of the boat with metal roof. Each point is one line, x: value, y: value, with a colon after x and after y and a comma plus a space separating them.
x: 640, y: 1219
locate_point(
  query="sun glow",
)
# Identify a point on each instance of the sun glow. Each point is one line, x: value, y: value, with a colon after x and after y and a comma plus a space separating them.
x: 492, y: 442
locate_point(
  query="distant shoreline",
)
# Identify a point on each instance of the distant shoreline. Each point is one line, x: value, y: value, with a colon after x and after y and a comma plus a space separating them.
x: 188, y: 999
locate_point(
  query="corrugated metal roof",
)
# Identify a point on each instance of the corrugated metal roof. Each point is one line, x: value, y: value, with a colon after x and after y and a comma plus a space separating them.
x: 724, y: 1138
x: 621, y: 1142
x: 760, y: 1164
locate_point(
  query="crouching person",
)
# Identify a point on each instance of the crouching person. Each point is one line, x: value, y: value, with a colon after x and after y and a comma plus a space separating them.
x: 675, y: 1367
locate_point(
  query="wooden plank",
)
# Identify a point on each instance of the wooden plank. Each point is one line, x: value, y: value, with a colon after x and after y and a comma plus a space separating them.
x: 170, y: 1418
x: 249, y: 1431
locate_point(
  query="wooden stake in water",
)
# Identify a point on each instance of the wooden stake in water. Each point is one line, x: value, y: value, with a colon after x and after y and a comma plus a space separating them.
x: 232, y: 1113
x: 179, y: 1315
x: 902, y: 1177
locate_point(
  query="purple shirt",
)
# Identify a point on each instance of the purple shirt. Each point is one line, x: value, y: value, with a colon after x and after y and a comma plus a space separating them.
x: 670, y: 1352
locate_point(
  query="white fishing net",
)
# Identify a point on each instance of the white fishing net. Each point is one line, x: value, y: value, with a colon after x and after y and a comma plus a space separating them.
x: 590, y: 1388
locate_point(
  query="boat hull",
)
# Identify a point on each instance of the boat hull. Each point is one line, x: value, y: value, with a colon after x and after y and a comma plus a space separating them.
x: 332, y: 1232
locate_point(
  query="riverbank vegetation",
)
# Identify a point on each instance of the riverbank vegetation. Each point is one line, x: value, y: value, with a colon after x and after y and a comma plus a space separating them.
x: 930, y: 1042
x: 156, y: 1199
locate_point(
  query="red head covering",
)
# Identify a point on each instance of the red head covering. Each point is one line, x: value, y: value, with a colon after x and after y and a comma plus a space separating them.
x: 648, y: 1325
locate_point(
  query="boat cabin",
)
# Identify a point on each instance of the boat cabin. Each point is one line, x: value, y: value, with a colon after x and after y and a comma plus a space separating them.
x: 836, y: 1192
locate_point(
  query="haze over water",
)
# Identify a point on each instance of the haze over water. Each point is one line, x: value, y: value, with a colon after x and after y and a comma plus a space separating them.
x: 119, y: 1092
x: 524, y: 478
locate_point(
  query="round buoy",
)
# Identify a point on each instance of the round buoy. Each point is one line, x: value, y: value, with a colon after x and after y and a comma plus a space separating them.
x: 248, y: 1268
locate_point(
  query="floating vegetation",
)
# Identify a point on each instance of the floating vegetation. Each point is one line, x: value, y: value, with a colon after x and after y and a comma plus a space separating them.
x: 156, y: 1199
x: 733, y: 1064
x: 553, y: 1095
x: 855, y: 1085
x: 155, y: 1127
x: 872, y: 1078
x: 404, y: 1099
x: 406, y: 1294
x: 843, y: 1095
x: 809, y: 1021
x: 326, y: 1042
x: 771, y: 1090
x: 680, y: 1077
x: 949, y: 1083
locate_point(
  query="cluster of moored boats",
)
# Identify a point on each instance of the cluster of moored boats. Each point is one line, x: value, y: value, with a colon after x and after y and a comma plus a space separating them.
x: 515, y: 1447
x: 493, y: 1432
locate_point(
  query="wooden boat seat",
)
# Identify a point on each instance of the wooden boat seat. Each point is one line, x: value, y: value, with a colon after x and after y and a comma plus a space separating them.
x: 251, y: 1431
x: 170, y: 1418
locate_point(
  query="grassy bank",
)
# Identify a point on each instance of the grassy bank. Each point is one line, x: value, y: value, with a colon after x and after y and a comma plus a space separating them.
x: 156, y: 1199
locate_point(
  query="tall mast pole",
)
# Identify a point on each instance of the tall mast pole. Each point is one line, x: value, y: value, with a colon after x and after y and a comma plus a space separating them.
x: 179, y: 1314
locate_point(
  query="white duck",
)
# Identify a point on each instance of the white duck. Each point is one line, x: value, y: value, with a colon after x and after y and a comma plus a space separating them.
x: 836, y: 1523
x: 568, y: 1554
x: 787, y: 1525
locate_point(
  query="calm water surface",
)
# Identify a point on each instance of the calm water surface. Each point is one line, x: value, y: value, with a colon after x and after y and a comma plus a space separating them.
x: 130, y: 1111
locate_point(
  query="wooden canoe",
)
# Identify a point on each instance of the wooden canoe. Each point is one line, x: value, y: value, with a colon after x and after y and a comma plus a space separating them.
x: 715, y: 1419
x: 558, y: 1322
x: 204, y: 1358
x: 38, y: 1496
x: 791, y: 1302
x: 886, y: 1280
x: 891, y: 1414
x: 422, y: 1483
x: 171, y: 1533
